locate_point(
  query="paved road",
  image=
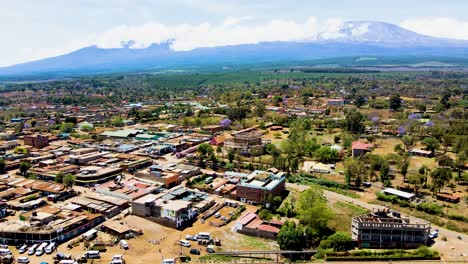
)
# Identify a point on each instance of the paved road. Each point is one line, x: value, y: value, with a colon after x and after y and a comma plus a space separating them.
x: 453, y: 249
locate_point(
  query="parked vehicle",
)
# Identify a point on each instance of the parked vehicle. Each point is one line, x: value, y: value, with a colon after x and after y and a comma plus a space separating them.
x: 68, y: 261
x: 91, y: 254
x: 5, y: 252
x: 123, y: 244
x: 168, y: 261
x: 23, y: 249
x: 50, y: 248
x: 41, y: 249
x: 90, y: 234
x: 210, y: 249
x: 217, y: 215
x: 189, y: 237
x: 223, y: 218
x: 32, y: 249
x: 117, y: 259
x: 184, y: 243
x: 22, y: 260
x: 203, y: 236
x: 194, y: 251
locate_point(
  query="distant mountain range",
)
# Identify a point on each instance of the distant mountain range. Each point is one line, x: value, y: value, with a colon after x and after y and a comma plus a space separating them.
x: 354, y: 38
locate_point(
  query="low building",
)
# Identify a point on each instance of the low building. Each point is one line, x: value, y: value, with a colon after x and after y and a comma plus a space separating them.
x: 317, y: 167
x: 450, y: 197
x: 36, y: 141
x: 421, y: 152
x: 124, y: 133
x: 360, y: 148
x: 155, y: 173
x: 213, y: 129
x: 250, y: 224
x: 92, y: 175
x: 388, y: 229
x: 86, y: 158
x: 400, y: 194
x: 129, y: 190
x: 335, y: 102
x: 260, y: 186
x: 61, y: 226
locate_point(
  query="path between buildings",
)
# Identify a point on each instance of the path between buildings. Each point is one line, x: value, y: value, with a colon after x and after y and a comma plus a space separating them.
x: 454, y: 249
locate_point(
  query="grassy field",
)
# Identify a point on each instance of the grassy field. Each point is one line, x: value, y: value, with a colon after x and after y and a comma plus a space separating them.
x: 344, y: 212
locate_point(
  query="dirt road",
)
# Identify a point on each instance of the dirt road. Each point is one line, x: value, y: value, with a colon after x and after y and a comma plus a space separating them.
x: 454, y: 249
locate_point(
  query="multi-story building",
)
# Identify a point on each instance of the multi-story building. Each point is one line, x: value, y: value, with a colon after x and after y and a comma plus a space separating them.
x: 388, y: 229
x: 37, y: 141
x: 175, y: 208
x: 249, y: 143
x: 261, y: 186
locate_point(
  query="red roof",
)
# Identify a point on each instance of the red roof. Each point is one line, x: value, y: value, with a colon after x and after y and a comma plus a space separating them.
x: 268, y: 228
x: 361, y: 145
x: 247, y: 218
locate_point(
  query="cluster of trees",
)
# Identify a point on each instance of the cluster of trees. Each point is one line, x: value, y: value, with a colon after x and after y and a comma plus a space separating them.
x: 313, y: 214
x: 67, y: 179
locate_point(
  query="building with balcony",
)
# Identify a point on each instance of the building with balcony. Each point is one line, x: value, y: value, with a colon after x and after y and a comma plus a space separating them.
x: 388, y: 229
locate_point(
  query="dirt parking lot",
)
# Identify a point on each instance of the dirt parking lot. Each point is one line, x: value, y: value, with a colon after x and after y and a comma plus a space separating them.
x: 159, y: 242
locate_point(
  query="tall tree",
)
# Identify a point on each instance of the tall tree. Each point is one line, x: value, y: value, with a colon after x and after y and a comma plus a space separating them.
x: 395, y: 102
x: 354, y: 122
x: 431, y: 144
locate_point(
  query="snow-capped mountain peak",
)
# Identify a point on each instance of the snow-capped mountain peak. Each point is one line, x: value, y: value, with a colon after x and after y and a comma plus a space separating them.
x: 375, y: 32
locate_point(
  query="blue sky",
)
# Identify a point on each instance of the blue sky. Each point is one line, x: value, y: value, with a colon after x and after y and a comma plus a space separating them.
x: 33, y: 29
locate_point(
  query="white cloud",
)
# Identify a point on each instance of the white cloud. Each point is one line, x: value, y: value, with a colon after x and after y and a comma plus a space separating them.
x: 232, y: 31
x: 438, y: 27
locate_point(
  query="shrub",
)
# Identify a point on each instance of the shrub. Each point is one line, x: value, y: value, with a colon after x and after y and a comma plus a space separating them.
x: 430, y: 208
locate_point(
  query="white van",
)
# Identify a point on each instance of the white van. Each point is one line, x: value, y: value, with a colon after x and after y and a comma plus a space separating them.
x: 123, y: 244
x: 203, y: 236
x: 68, y: 261
x: 184, y: 243
x: 5, y: 252
x: 92, y: 254
x: 168, y: 261
x: 23, y: 249
x: 22, y: 260
x: 41, y: 249
x: 50, y: 248
x: 90, y: 234
x: 32, y: 249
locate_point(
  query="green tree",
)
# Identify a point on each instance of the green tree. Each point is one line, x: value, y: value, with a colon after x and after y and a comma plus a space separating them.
x: 408, y: 141
x: 326, y: 154
x: 460, y: 162
x: 417, y: 180
x: 431, y: 144
x: 395, y: 102
x: 67, y: 127
x: 2, y: 165
x: 440, y: 178
x: 384, y: 171
x: 204, y: 149
x: 340, y: 241
x: 313, y: 210
x: 117, y: 121
x: 294, y: 236
x: 404, y: 169
x: 231, y: 154
x: 359, y: 100
x: 59, y: 177
x: 354, y: 122
x: 69, y: 180
x: 24, y: 167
